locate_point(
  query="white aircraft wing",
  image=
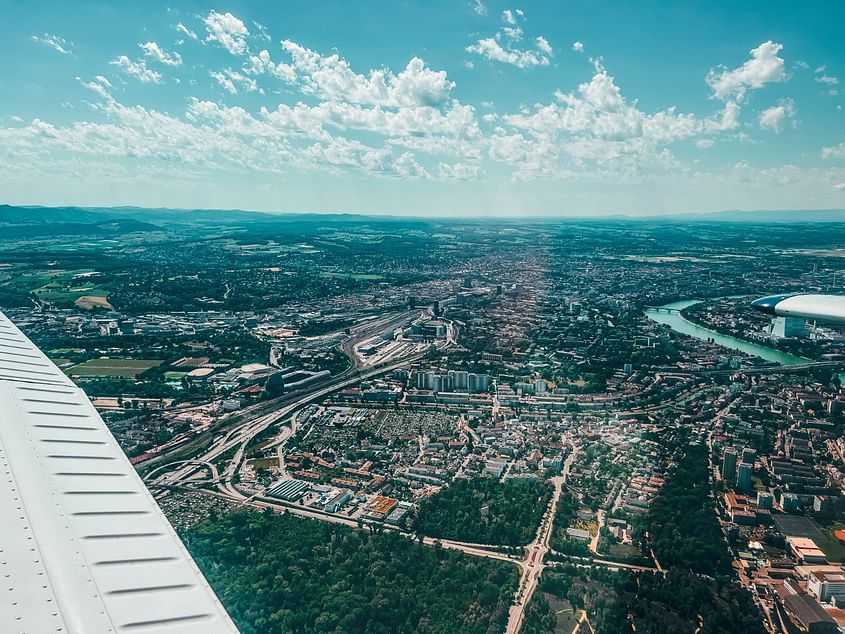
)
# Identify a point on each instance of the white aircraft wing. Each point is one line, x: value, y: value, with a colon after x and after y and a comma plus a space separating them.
x: 815, y: 307
x: 83, y: 545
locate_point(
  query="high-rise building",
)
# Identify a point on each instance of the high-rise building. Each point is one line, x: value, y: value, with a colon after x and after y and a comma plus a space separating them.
x: 789, y: 327
x: 729, y: 464
x: 789, y: 502
x: 764, y: 500
x: 478, y: 382
x: 743, y: 476
x: 460, y: 379
x: 749, y: 455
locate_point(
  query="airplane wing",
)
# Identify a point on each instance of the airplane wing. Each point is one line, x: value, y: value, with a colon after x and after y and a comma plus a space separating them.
x: 826, y: 308
x: 83, y: 545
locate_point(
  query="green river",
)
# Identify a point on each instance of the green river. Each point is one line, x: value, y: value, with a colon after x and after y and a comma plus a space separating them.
x: 679, y: 324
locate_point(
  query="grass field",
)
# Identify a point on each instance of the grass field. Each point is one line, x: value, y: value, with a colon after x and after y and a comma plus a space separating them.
x: 60, y: 286
x: 122, y: 368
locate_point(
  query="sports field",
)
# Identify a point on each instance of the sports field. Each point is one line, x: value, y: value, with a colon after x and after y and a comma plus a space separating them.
x: 122, y: 368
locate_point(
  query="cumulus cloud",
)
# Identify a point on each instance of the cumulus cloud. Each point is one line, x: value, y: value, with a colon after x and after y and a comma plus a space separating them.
x: 504, y: 45
x: 184, y: 30
x: 55, y: 42
x: 578, y: 47
x: 834, y: 152
x: 154, y: 51
x: 261, y: 63
x: 137, y: 69
x: 231, y: 79
x: 262, y: 32
x: 458, y: 171
x: 402, y: 123
x: 828, y: 80
x: 479, y: 7
x: 773, y: 118
x: 543, y: 44
x: 765, y: 66
x: 332, y: 78
x: 490, y: 49
x: 595, y: 130
x: 228, y: 31
x: 839, y: 187
x: 99, y: 85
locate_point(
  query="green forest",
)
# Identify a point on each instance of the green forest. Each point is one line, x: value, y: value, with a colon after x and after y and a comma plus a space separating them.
x: 485, y: 511
x: 281, y: 573
x: 685, y: 532
x: 643, y: 602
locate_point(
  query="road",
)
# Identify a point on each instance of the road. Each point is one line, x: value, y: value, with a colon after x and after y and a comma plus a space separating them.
x: 535, y: 553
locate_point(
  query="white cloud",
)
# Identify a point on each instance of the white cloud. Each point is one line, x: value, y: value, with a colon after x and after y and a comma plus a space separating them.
x: 578, y: 47
x: 332, y: 78
x: 458, y: 171
x: 100, y: 85
x: 835, y: 152
x: 186, y: 31
x: 55, y: 42
x: 839, y: 187
x: 263, y: 33
x: 479, y: 7
x: 261, y: 63
x: 543, y: 44
x: 765, y: 66
x: 231, y: 79
x: 228, y: 31
x: 137, y: 69
x: 502, y: 47
x: 596, y: 132
x: 154, y: 51
x: 773, y: 118
x: 490, y: 49
x: 406, y: 166
x: 405, y: 124
x: 828, y: 79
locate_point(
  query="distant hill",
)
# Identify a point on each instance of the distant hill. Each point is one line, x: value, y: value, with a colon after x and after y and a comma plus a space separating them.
x: 105, y: 228
x: 791, y: 216
x: 35, y: 215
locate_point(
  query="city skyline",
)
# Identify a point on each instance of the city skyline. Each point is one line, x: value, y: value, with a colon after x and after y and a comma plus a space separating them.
x: 452, y: 109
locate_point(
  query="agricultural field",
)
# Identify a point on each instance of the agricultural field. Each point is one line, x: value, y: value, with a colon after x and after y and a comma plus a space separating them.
x: 60, y: 287
x: 122, y: 368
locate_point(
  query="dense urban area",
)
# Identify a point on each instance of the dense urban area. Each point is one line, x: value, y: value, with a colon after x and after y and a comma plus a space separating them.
x: 396, y: 425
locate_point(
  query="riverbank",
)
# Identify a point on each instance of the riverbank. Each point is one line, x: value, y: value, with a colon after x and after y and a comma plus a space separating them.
x: 680, y: 324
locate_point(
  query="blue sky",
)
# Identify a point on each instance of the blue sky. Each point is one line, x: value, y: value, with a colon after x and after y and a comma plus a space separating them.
x: 461, y: 107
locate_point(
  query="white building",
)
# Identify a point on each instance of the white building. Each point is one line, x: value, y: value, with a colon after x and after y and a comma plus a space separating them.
x: 824, y: 585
